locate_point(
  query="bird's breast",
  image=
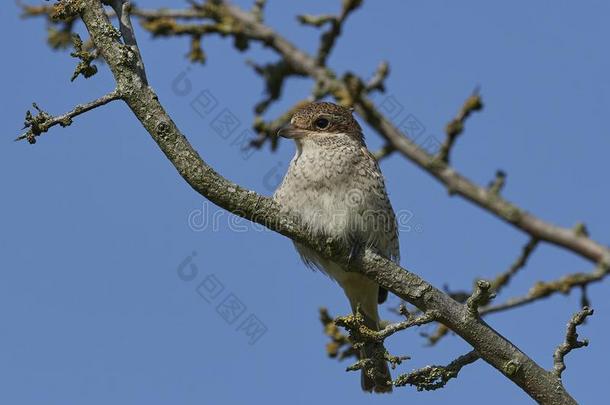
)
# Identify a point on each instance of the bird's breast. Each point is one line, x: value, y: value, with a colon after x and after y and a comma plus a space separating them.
x: 326, y: 190
x: 340, y: 193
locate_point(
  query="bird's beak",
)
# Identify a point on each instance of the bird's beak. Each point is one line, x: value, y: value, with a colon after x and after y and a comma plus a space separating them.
x: 289, y: 131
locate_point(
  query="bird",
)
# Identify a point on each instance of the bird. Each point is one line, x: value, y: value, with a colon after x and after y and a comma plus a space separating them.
x: 335, y: 186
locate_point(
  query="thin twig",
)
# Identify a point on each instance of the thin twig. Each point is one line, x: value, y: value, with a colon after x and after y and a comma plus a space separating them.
x: 41, y: 122
x: 497, y: 184
x: 571, y: 341
x: 392, y: 328
x: 481, y: 294
x: 328, y: 39
x: 497, y: 284
x: 502, y: 279
x: 377, y: 82
x: 434, y: 377
x: 544, y: 289
x: 384, y: 152
x: 339, y: 346
x: 455, y: 127
x: 267, y: 130
x: 122, y: 8
x: 84, y: 67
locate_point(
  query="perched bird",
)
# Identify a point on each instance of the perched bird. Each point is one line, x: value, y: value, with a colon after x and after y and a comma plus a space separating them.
x: 335, y: 185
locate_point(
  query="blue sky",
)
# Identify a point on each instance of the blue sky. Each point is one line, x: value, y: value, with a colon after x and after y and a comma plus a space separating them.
x: 98, y: 299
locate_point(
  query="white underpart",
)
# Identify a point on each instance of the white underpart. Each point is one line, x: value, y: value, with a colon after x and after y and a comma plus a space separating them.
x: 331, y: 187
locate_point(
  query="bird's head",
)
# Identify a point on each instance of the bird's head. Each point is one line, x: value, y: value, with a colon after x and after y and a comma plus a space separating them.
x: 321, y: 120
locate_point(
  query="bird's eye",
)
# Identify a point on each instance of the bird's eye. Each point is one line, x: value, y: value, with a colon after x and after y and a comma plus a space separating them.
x: 321, y: 123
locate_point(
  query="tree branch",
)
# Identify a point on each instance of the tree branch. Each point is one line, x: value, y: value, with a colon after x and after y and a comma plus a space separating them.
x: 544, y: 289
x: 456, y: 126
x: 497, y: 184
x: 481, y: 294
x: 268, y: 130
x: 42, y: 122
x: 384, y: 152
x: 328, y: 39
x: 377, y: 82
x: 502, y: 279
x: 571, y: 341
x: 497, y: 284
x: 122, y: 9
x: 84, y: 67
x: 540, y: 290
x: 339, y: 346
x: 355, y: 325
x: 434, y: 377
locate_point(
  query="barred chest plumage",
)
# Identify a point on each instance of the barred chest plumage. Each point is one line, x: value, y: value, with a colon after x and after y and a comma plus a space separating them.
x: 336, y: 187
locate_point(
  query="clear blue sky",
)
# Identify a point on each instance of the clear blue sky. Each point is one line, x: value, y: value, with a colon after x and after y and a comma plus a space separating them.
x: 95, y: 221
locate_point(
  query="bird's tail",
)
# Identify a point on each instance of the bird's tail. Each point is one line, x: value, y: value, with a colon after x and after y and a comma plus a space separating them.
x: 362, y: 294
x: 381, y: 380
